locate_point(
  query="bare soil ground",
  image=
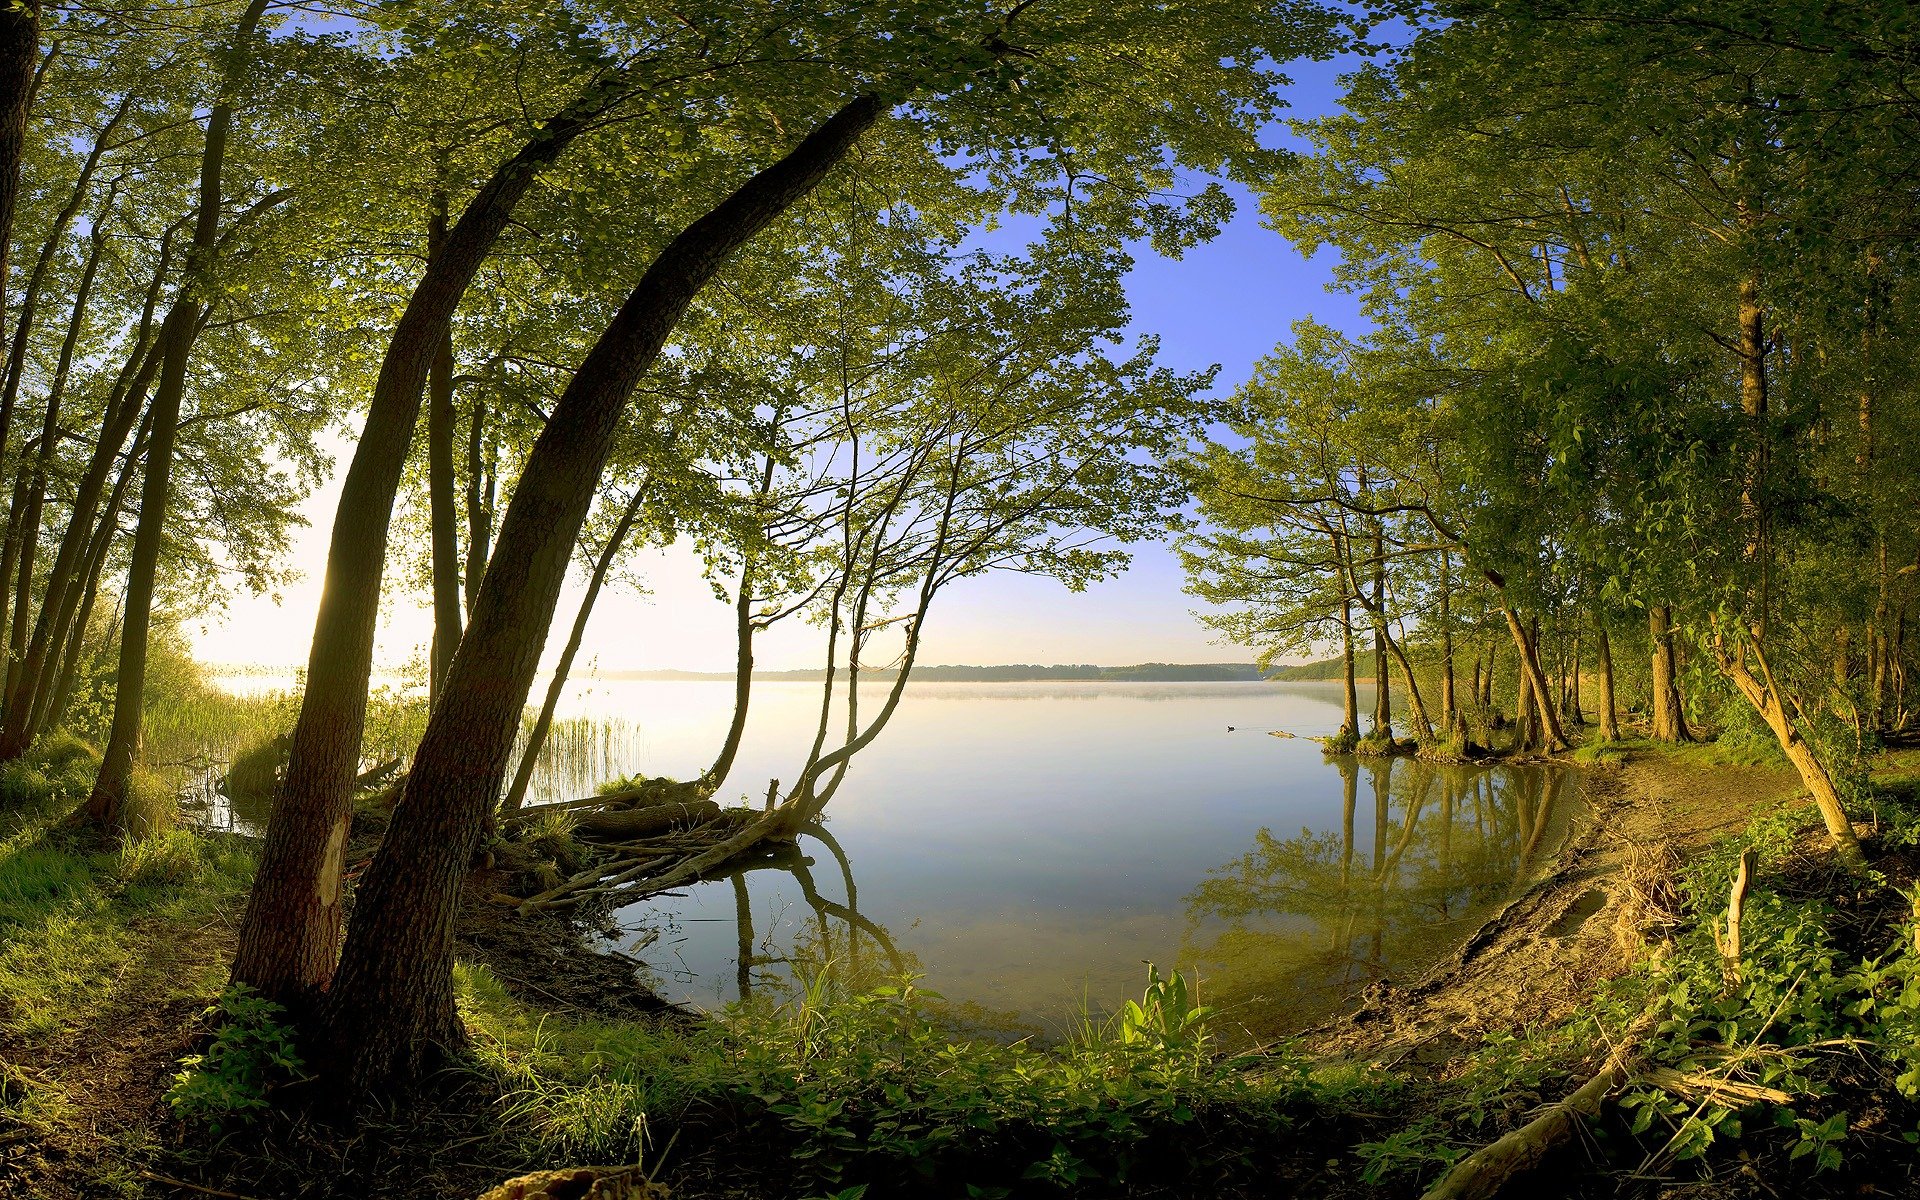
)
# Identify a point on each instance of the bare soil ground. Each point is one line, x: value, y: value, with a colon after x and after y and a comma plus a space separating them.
x: 1583, y: 922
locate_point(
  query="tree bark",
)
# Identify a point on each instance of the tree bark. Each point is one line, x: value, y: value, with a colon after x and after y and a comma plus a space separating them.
x: 1609, y: 711
x: 743, y: 633
x: 19, y: 76
x: 479, y: 502
x: 1449, y: 707
x: 1422, y: 727
x: 1764, y: 695
x: 522, y: 778
x: 36, y: 485
x: 22, y: 340
x: 107, y: 807
x: 289, y: 935
x: 19, y: 57
x: 1350, y: 727
x: 1669, y: 712
x: 52, y: 706
x: 390, y: 1011
x: 27, y: 703
x: 1382, y: 691
x: 440, y: 419
x: 1553, y: 738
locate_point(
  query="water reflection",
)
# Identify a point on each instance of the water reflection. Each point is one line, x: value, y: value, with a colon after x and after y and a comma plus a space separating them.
x: 839, y: 946
x: 1289, y: 931
x: 1298, y: 925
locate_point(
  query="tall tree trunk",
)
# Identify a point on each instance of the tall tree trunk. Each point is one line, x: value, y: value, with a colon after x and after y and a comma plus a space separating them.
x: 52, y: 709
x: 46, y: 448
x: 107, y: 808
x: 27, y: 703
x: 1422, y: 727
x: 522, y: 778
x: 19, y: 56
x: 1574, y: 715
x: 1449, y: 708
x: 1553, y: 739
x: 1669, y: 712
x: 1382, y: 690
x: 479, y: 501
x: 19, y: 79
x: 440, y: 420
x: 292, y: 924
x: 743, y: 633
x: 390, y: 1010
x: 1609, y: 712
x: 1526, y: 720
x: 1350, y: 726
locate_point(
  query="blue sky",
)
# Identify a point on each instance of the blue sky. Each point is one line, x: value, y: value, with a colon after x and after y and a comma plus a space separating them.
x: 1227, y: 302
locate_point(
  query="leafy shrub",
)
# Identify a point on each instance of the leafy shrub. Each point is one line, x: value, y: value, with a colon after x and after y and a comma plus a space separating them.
x: 252, y: 1051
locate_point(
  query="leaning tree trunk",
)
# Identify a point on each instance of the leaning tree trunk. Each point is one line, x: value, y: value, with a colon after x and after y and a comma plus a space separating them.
x: 1449, y: 707
x: 1669, y: 713
x: 106, y: 808
x: 1763, y: 693
x: 479, y: 498
x: 446, y: 549
x: 289, y: 936
x: 743, y: 632
x: 27, y: 703
x: 51, y: 707
x: 390, y: 1011
x: 1553, y: 739
x: 1422, y: 727
x: 1350, y: 726
x: 45, y: 454
x: 1609, y: 712
x: 537, y: 738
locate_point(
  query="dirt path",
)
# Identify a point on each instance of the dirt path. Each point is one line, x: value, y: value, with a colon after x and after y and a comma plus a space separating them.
x: 103, y: 1077
x: 1542, y: 956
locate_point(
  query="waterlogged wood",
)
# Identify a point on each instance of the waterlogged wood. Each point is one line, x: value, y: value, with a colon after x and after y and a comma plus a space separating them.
x: 645, y: 820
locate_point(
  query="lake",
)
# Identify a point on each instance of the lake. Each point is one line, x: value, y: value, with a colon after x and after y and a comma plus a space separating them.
x: 1029, y: 847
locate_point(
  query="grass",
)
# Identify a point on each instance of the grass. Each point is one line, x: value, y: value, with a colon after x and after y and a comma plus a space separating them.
x: 74, y: 915
x: 837, y: 1087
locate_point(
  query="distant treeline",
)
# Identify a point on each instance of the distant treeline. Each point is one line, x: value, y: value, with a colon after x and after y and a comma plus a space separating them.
x: 1015, y: 673
x: 1331, y: 668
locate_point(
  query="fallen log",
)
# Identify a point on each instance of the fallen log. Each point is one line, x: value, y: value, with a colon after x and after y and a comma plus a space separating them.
x: 1489, y: 1170
x: 580, y: 1183
x: 630, y: 823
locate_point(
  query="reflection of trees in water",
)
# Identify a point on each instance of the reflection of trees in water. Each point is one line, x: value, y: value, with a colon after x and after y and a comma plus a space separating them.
x: 1308, y: 918
x: 838, y: 941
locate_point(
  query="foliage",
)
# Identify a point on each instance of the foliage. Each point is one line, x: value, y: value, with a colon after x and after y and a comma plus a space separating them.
x: 867, y: 1088
x: 251, y: 1050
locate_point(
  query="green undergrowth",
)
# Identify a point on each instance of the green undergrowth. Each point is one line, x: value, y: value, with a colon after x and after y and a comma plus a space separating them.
x: 75, y: 917
x: 1803, y: 1061
x: 839, y: 1090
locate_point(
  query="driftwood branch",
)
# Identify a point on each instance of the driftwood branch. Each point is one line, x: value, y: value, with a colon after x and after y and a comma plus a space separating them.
x: 1489, y: 1170
x: 1729, y: 939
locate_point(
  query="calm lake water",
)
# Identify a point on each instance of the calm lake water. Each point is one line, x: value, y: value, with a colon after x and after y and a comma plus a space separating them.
x: 1029, y: 847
